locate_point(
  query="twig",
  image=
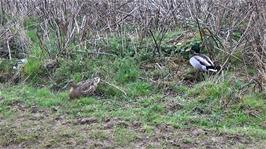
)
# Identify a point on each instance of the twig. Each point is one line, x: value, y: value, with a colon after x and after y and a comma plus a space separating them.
x: 115, y: 87
x: 9, y: 50
x: 201, y: 36
x: 155, y: 42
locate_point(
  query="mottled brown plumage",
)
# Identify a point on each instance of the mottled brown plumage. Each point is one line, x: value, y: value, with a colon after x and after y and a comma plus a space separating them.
x: 84, y: 88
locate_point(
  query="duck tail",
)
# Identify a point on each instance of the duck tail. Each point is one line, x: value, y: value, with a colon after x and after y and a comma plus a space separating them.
x: 213, y: 68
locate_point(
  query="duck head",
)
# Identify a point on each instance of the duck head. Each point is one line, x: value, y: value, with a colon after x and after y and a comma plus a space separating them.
x: 96, y: 80
x: 196, y: 48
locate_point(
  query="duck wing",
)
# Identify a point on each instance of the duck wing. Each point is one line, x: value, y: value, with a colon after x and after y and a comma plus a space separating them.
x: 83, y: 85
x: 87, y: 87
x: 208, y: 59
x: 196, y: 63
x: 89, y: 91
x: 204, y: 60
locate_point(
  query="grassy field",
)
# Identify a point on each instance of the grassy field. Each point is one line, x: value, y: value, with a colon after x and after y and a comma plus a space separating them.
x: 217, y: 112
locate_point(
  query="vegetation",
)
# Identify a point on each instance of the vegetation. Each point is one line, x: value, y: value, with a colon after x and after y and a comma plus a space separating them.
x: 148, y: 96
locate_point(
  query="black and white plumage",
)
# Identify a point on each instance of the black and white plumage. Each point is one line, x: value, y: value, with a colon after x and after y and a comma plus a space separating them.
x: 203, y: 63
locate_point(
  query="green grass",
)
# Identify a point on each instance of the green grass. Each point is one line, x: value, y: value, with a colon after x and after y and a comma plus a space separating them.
x: 138, y: 89
x: 127, y: 70
x: 199, y: 108
x: 28, y: 95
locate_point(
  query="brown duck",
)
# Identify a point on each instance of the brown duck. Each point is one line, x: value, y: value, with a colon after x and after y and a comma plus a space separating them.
x: 84, y: 88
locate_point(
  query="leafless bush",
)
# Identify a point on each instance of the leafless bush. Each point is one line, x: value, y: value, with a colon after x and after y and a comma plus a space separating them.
x: 256, y: 39
x: 13, y: 40
x: 86, y: 22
